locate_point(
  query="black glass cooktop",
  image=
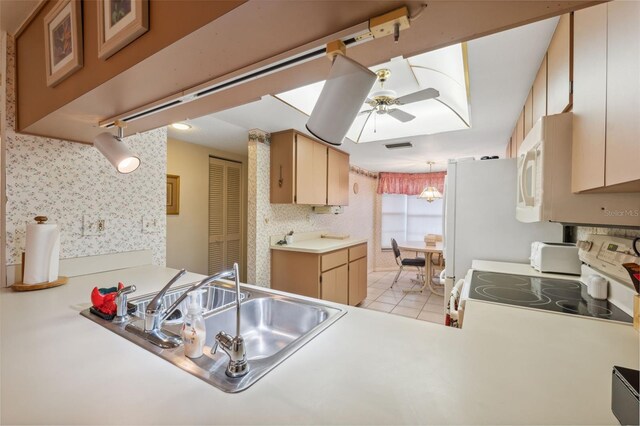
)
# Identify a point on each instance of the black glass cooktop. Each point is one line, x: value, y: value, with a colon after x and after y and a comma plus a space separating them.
x: 564, y: 296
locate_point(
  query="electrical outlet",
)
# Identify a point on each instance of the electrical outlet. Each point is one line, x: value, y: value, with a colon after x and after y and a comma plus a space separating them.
x: 150, y: 225
x: 93, y: 225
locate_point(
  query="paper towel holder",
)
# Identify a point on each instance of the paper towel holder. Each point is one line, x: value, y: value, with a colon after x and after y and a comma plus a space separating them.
x: 40, y: 220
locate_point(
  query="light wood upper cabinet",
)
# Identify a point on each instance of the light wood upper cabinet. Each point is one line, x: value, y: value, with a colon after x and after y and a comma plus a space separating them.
x: 589, y: 98
x: 519, y: 132
x: 559, y: 67
x: 539, y: 92
x: 311, y: 171
x: 528, y: 113
x: 606, y: 106
x: 337, y: 178
x: 303, y: 171
x: 623, y: 93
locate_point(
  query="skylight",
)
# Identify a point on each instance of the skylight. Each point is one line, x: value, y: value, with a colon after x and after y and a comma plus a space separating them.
x: 443, y: 70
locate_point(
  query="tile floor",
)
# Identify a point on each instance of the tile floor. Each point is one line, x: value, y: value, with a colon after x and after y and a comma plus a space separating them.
x: 381, y: 297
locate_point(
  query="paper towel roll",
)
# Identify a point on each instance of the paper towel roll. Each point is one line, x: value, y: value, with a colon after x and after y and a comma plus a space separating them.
x: 42, y: 253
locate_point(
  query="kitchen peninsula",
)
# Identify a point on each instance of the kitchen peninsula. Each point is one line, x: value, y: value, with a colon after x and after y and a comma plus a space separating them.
x: 57, y: 367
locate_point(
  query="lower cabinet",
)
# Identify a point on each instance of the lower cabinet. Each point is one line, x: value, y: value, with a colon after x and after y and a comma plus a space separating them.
x: 357, y: 281
x: 334, y: 285
x: 339, y: 276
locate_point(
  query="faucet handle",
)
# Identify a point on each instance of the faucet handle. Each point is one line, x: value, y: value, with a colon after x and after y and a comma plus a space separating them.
x: 121, y: 304
x: 223, y: 339
x: 126, y: 290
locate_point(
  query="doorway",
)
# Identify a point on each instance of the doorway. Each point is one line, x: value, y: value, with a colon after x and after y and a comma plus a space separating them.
x: 226, y: 230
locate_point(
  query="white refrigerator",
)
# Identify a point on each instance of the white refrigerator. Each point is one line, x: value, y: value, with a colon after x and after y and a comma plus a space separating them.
x: 480, y: 217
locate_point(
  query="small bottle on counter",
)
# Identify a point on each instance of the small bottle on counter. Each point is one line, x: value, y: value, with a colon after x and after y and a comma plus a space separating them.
x: 194, y: 332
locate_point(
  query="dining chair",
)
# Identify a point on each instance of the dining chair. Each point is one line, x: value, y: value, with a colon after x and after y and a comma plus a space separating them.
x: 417, y: 262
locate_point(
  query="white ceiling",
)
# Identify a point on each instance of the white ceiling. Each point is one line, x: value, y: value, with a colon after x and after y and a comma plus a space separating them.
x: 502, y: 68
x: 442, y: 69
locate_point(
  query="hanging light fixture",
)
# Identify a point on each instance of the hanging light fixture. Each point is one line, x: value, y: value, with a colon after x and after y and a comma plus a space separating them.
x: 342, y: 96
x: 430, y: 193
x: 116, y: 151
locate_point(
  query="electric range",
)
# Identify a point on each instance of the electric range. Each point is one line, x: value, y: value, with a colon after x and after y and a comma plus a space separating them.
x: 556, y: 295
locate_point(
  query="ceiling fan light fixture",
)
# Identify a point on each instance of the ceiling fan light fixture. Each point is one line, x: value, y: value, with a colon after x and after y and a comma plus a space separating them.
x: 341, y: 99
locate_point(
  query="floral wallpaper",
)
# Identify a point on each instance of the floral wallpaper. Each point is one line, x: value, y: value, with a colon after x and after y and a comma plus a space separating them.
x: 65, y: 181
x: 266, y: 219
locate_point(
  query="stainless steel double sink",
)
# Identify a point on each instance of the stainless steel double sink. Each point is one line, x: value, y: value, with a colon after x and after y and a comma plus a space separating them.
x: 273, y: 328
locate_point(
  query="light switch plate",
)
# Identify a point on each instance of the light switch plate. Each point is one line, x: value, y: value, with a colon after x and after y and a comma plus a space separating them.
x: 150, y: 225
x: 93, y: 225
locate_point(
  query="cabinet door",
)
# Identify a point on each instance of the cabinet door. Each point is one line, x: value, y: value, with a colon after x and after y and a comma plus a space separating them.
x: 589, y: 98
x: 335, y: 285
x: 357, y: 281
x: 519, y: 132
x: 337, y: 178
x: 623, y: 93
x: 282, y: 163
x: 311, y: 172
x: 559, y: 68
x: 528, y: 113
x: 539, y: 101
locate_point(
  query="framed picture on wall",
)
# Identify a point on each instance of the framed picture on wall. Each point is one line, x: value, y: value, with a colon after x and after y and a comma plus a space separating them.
x: 173, y: 194
x: 63, y: 40
x: 119, y: 23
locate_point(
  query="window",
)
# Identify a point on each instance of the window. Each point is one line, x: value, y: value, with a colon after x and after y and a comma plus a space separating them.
x: 409, y: 218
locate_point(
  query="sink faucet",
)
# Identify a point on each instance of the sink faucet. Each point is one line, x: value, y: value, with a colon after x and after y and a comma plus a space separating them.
x: 155, y: 314
x: 233, y: 346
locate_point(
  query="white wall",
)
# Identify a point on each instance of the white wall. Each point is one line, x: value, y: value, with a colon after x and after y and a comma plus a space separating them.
x: 266, y: 219
x: 188, y: 232
x: 65, y: 180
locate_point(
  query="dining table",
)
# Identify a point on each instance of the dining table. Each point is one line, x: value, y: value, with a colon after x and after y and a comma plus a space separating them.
x: 428, y: 250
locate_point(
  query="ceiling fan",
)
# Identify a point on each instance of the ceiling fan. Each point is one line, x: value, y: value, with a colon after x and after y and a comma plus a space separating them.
x: 383, y: 101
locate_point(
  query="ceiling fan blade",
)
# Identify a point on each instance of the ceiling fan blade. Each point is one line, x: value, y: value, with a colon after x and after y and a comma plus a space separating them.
x: 421, y: 95
x: 366, y: 111
x: 400, y: 115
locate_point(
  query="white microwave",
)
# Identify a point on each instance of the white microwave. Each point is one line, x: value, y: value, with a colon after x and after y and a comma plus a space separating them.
x: 544, y: 182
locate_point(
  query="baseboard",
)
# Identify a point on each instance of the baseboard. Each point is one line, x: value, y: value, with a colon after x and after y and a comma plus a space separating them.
x: 90, y: 264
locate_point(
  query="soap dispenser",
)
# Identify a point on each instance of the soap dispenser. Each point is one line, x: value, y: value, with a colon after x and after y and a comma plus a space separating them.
x: 194, y: 332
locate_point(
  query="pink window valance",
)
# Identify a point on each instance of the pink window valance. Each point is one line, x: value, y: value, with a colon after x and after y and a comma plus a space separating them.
x: 409, y: 183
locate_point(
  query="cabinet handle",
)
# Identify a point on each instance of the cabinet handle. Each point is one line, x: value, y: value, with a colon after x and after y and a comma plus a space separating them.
x: 280, y: 181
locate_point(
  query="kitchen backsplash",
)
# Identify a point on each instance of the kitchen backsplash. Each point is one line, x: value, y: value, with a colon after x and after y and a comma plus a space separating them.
x: 65, y: 181
x: 266, y: 219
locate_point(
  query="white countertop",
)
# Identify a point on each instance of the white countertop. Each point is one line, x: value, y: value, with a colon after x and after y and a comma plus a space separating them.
x: 319, y: 245
x: 507, y: 365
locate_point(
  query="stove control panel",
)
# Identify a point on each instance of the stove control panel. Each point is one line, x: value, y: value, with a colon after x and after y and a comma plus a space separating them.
x: 607, y: 254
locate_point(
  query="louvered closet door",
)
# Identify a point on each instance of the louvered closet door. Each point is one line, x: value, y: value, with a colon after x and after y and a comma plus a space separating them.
x: 225, y: 214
